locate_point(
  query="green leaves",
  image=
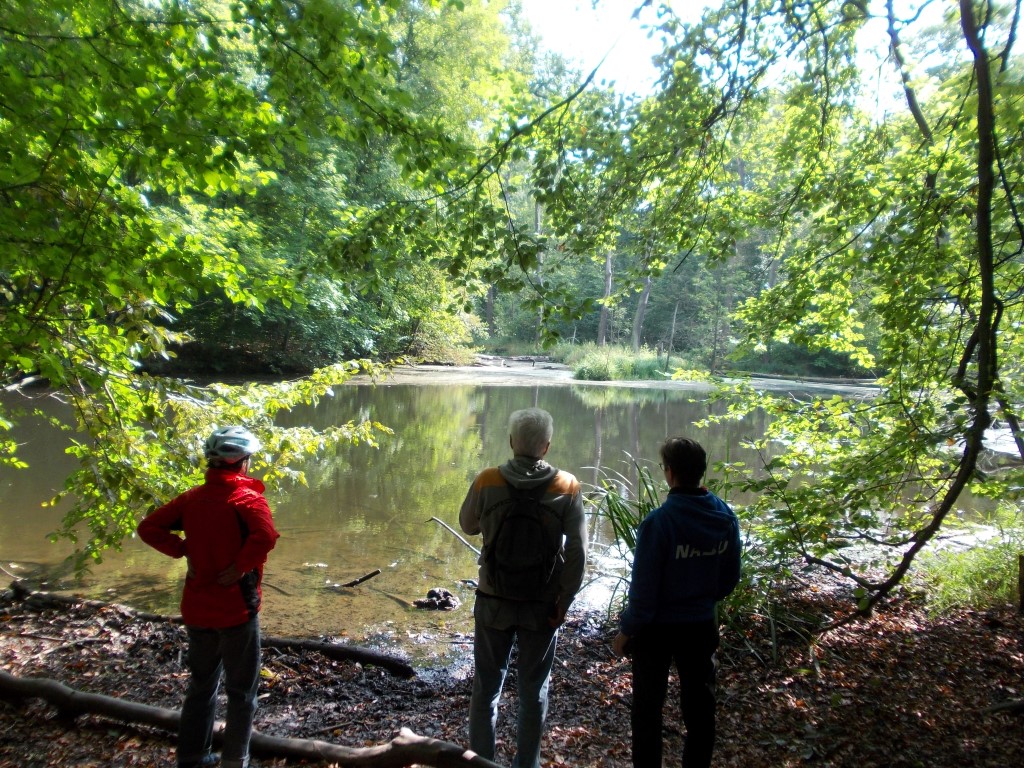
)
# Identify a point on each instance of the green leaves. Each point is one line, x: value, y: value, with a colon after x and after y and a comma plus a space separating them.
x: 146, y: 153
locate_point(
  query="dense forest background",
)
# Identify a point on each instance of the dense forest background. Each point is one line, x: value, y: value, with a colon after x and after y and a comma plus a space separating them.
x: 275, y: 207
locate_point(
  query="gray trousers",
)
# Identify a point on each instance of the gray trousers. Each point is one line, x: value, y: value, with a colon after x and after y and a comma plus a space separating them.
x: 235, y: 652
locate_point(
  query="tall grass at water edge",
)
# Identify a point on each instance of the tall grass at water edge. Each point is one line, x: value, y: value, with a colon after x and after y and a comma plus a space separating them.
x: 979, y: 571
x: 625, y: 506
x: 590, y: 362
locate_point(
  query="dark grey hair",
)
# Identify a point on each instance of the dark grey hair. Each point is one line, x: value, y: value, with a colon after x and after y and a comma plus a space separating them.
x: 530, y: 431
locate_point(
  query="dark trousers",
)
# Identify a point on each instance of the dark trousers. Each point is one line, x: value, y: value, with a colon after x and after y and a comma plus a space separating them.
x: 235, y: 652
x: 692, y: 648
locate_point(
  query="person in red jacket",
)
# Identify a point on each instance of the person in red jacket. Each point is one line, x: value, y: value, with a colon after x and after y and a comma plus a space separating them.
x: 224, y: 530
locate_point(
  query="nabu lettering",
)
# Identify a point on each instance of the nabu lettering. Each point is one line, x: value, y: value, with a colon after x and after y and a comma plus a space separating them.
x: 684, y: 550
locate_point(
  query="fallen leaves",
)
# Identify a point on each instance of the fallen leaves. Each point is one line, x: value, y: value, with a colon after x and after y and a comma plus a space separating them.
x: 899, y: 690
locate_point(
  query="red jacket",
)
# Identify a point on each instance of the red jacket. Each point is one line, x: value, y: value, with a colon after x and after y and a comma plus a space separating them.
x: 225, y: 521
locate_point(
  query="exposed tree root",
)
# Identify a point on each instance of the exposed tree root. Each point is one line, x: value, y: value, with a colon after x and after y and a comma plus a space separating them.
x: 406, y: 749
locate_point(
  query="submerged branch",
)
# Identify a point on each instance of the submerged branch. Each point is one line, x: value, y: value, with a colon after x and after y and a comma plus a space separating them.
x: 361, y: 579
x: 455, y: 533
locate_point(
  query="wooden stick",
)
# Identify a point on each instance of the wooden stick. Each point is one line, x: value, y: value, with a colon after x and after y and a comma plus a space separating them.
x: 361, y: 579
x: 455, y: 533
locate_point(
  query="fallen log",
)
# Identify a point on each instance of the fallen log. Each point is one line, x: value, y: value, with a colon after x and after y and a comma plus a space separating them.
x: 406, y: 749
x: 342, y: 652
x: 1013, y: 707
x: 52, y: 599
x: 338, y: 651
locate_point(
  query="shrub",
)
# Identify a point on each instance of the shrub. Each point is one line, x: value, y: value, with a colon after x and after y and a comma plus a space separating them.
x: 590, y: 362
x: 979, y: 575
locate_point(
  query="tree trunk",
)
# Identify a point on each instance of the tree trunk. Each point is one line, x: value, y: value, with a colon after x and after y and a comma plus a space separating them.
x: 538, y: 225
x: 981, y: 346
x: 671, y: 337
x: 492, y: 328
x: 641, y: 312
x: 1020, y: 583
x: 405, y: 750
x: 602, y: 326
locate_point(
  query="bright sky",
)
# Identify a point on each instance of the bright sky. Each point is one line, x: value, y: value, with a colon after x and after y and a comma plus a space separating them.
x: 574, y: 29
x: 584, y: 35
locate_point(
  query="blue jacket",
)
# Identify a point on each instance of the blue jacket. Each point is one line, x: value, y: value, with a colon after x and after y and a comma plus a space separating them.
x: 687, y: 558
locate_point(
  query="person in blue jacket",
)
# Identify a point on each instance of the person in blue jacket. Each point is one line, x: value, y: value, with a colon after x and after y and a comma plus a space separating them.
x: 687, y: 559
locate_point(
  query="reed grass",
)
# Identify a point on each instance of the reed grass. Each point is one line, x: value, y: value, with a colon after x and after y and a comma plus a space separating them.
x: 979, y: 575
x: 590, y: 362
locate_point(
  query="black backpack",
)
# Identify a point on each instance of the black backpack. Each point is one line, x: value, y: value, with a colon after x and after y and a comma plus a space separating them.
x: 523, y: 555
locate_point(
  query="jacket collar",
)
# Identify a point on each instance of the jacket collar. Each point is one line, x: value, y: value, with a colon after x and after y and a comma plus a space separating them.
x: 221, y: 476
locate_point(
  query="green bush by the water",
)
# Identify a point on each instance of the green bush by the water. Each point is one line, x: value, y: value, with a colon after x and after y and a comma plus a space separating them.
x: 983, y: 574
x: 589, y: 362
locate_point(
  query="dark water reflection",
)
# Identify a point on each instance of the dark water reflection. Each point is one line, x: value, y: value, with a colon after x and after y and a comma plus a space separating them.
x: 367, y: 508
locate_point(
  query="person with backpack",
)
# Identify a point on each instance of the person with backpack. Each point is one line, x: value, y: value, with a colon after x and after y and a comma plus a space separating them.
x: 531, y: 567
x: 224, y: 530
x: 687, y: 558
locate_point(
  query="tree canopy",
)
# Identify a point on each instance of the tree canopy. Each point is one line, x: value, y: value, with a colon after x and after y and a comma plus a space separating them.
x: 892, y: 234
x: 177, y: 170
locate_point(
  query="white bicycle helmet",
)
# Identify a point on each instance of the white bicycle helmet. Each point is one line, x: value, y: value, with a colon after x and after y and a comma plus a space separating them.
x: 231, y: 444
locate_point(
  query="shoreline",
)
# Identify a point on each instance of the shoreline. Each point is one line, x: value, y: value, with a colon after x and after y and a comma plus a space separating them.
x: 501, y: 371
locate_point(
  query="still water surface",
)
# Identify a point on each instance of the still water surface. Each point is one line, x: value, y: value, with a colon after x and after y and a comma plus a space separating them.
x: 367, y: 508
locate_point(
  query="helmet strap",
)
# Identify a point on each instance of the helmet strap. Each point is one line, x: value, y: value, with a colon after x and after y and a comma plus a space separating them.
x: 241, y: 466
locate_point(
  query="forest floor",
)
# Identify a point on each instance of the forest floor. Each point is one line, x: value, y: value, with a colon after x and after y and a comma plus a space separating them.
x: 898, y: 689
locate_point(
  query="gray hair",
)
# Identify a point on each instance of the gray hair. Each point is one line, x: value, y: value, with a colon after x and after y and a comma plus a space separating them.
x: 530, y: 431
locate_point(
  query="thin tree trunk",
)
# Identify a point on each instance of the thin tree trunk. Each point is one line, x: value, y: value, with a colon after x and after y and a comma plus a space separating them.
x: 641, y: 312
x: 981, y: 348
x: 671, y: 336
x: 492, y: 328
x: 1020, y: 583
x: 538, y: 223
x: 602, y: 326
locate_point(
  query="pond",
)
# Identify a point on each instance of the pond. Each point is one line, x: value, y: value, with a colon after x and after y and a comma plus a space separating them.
x: 370, y: 508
